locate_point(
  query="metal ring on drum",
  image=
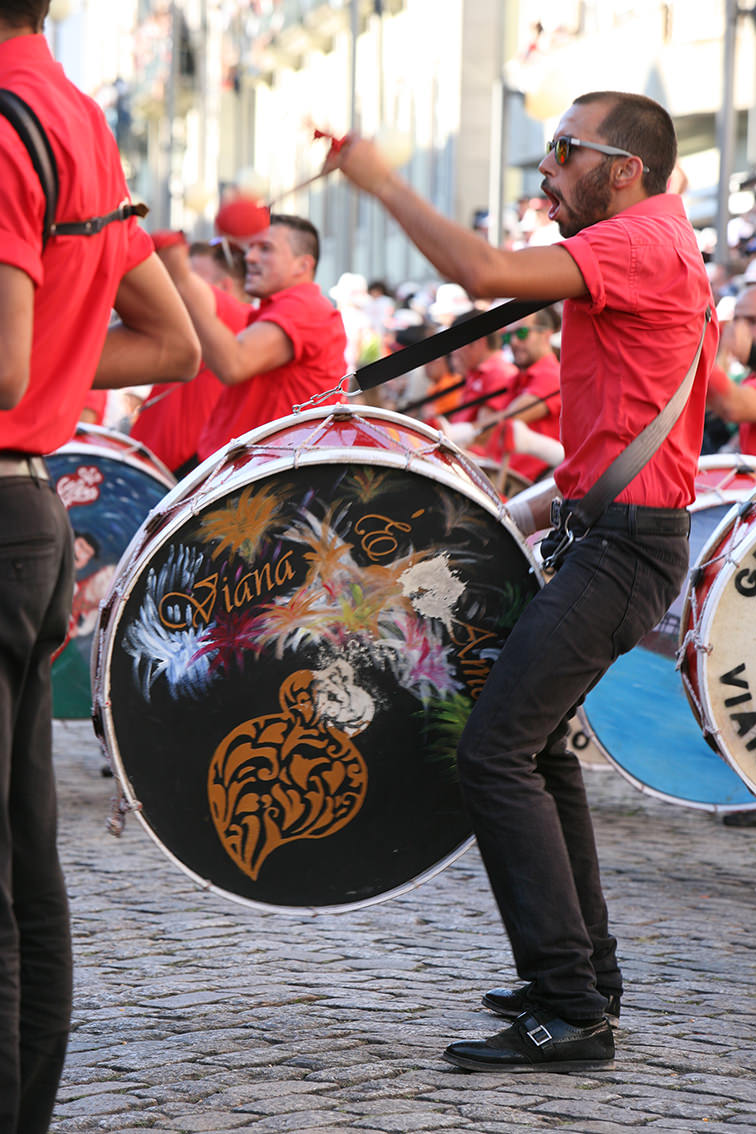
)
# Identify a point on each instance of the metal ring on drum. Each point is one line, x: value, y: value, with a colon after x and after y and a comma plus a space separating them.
x: 108, y: 483
x: 638, y: 715
x: 290, y: 649
x: 718, y: 640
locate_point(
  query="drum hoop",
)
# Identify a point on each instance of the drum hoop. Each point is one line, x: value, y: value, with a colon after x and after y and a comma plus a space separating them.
x: 271, y: 907
x: 160, y: 472
x: 707, y: 614
x: 133, y: 565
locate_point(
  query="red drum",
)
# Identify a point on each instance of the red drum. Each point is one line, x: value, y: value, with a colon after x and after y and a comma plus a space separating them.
x: 108, y: 483
x: 718, y: 640
x: 637, y: 718
x: 290, y: 649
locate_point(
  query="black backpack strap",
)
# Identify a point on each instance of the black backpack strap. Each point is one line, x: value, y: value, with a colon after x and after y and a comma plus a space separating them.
x: 29, y: 129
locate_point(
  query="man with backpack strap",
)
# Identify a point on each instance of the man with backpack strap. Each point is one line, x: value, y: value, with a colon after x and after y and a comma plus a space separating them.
x: 55, y: 305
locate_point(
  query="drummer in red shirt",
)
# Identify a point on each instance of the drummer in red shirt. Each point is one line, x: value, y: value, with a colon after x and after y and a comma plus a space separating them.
x: 637, y: 313
x: 293, y: 344
x: 534, y: 401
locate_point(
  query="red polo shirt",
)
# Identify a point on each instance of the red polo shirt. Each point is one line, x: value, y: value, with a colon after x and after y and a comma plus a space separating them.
x: 175, y: 414
x: 76, y: 278
x: 541, y: 380
x: 316, y: 332
x: 628, y: 345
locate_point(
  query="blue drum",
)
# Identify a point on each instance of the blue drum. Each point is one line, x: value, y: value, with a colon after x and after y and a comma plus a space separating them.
x: 638, y: 717
x: 108, y: 483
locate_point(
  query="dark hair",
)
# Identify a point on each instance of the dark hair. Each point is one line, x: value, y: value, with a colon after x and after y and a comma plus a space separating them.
x: 24, y: 13
x: 644, y: 128
x: 228, y: 255
x: 493, y: 341
x: 86, y: 536
x: 548, y: 319
x: 304, y: 235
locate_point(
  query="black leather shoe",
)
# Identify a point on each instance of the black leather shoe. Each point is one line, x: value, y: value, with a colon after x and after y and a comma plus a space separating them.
x: 537, y: 1041
x: 510, y: 1002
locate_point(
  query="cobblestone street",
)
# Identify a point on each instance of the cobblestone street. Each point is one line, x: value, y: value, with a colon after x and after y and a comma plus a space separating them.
x: 192, y: 1013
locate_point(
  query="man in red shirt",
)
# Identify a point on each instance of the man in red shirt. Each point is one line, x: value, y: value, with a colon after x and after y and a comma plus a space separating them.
x: 293, y: 345
x: 636, y: 305
x: 534, y: 400
x: 55, y: 304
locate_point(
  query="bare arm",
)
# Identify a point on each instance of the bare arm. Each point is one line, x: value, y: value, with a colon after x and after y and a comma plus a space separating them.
x: 16, y: 324
x: 456, y: 252
x: 232, y: 358
x: 728, y: 400
x: 155, y: 341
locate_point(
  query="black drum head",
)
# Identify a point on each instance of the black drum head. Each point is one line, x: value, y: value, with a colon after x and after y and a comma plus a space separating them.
x: 289, y: 673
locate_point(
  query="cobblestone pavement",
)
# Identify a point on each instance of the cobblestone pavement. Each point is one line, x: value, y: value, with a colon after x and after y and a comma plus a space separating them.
x: 195, y: 1014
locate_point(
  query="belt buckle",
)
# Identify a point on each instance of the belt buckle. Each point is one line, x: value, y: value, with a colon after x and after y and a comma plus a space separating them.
x: 555, y: 512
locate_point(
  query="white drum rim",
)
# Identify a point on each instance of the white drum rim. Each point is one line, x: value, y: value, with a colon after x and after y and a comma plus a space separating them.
x: 707, y: 614
x: 160, y: 472
x: 113, y: 605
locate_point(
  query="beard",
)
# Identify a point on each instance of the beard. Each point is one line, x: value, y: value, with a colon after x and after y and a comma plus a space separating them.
x: 591, y: 200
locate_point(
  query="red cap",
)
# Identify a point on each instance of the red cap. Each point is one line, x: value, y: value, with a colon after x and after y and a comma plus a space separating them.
x: 242, y: 216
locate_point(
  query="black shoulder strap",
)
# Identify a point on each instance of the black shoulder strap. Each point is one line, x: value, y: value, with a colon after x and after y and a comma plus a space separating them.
x: 29, y: 129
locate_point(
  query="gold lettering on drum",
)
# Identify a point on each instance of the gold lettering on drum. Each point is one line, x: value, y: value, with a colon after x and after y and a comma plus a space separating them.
x: 178, y: 601
x: 378, y: 540
x: 203, y: 598
x: 475, y: 670
x: 744, y: 723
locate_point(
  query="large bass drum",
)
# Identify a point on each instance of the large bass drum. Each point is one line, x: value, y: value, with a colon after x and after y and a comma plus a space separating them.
x: 291, y: 647
x: 108, y: 483
x: 638, y: 717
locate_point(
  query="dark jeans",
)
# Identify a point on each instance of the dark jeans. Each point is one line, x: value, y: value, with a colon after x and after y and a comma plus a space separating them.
x: 524, y: 790
x: 36, y: 586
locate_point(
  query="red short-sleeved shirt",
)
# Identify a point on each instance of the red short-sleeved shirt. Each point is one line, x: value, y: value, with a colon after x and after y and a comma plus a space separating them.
x: 541, y: 380
x: 627, y: 347
x: 316, y: 332
x: 171, y: 424
x: 76, y: 278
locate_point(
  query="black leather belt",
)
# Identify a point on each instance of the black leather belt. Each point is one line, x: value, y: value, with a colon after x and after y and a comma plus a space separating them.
x: 23, y: 464
x: 635, y: 519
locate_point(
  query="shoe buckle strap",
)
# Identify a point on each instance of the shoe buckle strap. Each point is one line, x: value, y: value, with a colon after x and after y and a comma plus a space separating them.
x: 540, y: 1036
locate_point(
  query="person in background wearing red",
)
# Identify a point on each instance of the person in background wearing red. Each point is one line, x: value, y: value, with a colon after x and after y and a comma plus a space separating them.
x: 487, y: 374
x: 735, y: 402
x: 293, y: 344
x: 55, y: 343
x: 171, y: 418
x: 534, y: 401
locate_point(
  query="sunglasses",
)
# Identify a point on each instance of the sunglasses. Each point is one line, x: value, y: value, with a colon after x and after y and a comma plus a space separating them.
x: 562, y: 148
x: 521, y: 333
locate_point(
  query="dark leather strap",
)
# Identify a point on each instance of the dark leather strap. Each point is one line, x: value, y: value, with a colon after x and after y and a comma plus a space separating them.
x: 29, y: 129
x: 97, y: 224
